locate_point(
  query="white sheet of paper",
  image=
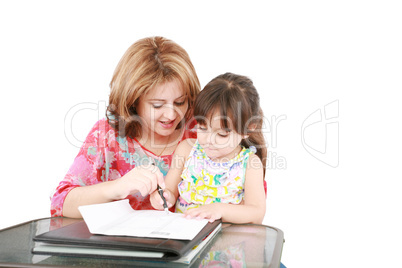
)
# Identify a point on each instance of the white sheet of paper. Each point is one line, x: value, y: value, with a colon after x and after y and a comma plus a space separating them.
x: 118, y: 218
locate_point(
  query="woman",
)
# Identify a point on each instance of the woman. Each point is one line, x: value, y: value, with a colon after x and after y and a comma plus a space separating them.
x: 152, y: 94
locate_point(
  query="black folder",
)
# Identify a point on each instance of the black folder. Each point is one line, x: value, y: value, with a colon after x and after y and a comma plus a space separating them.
x: 77, y: 236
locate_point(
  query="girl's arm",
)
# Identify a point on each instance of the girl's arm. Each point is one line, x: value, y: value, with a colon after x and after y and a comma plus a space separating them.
x: 251, y: 210
x: 173, y: 177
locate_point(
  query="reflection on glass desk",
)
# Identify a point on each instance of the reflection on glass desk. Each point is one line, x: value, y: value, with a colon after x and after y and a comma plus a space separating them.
x: 237, y: 245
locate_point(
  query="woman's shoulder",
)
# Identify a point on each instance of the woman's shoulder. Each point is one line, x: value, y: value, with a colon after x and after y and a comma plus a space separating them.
x: 101, y: 130
x: 102, y: 126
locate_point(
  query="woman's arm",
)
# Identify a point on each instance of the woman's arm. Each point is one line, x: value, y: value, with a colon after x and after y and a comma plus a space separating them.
x: 143, y: 179
x: 173, y: 177
x: 251, y: 210
x: 90, y: 181
x: 85, y: 195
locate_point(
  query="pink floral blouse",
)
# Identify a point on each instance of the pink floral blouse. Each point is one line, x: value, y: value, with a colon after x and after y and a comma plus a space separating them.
x: 105, y: 156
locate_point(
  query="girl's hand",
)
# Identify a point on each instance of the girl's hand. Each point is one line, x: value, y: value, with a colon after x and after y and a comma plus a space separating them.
x: 143, y: 179
x: 210, y: 212
x: 157, y: 202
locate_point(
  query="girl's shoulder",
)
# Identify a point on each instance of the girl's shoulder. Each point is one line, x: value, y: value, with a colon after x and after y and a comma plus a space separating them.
x: 254, y: 167
x: 185, y: 146
x: 254, y: 159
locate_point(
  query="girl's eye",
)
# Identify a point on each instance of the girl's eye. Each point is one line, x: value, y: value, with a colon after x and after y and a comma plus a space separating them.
x: 202, y: 128
x: 180, y: 103
x: 224, y: 133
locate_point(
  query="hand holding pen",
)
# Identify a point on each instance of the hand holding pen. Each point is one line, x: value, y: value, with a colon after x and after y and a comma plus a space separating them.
x: 160, y: 191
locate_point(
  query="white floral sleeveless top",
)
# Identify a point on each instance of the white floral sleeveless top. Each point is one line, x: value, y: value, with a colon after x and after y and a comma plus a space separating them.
x: 205, y: 181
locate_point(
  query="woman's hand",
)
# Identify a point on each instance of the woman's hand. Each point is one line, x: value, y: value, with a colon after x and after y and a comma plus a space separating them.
x: 157, y: 202
x: 143, y: 179
x: 211, y: 212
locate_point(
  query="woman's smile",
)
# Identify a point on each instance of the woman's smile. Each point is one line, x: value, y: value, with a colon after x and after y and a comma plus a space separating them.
x: 167, y: 124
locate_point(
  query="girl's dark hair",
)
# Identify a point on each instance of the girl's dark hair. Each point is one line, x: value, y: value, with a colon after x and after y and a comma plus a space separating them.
x: 237, y: 101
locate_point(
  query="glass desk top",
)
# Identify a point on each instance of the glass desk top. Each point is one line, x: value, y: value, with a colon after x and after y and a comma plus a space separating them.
x: 236, y: 245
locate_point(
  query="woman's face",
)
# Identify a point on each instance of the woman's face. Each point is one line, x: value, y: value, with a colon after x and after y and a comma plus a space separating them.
x: 162, y: 109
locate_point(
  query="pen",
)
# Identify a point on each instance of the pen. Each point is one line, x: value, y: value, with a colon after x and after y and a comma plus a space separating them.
x: 160, y: 190
x: 165, y: 207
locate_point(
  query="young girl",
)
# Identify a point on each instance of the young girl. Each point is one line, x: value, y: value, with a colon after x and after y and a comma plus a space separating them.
x: 221, y: 174
x: 152, y: 94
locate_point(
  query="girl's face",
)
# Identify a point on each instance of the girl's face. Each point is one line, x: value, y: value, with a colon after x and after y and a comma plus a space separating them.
x: 162, y: 109
x: 219, y: 144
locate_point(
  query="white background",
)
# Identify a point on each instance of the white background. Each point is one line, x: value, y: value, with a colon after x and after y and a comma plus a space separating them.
x: 301, y: 55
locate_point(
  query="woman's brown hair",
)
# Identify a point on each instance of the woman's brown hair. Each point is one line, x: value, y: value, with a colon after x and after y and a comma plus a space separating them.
x: 147, y: 63
x: 237, y: 101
